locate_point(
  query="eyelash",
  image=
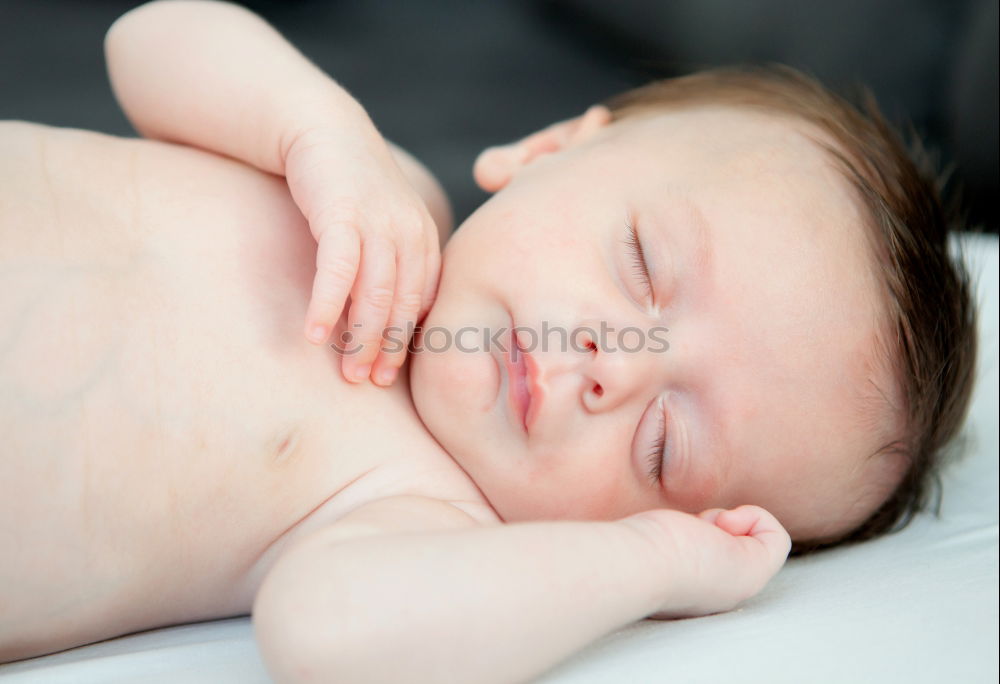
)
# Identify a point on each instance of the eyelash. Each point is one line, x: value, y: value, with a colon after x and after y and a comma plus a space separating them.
x: 640, y: 267
x: 655, y: 457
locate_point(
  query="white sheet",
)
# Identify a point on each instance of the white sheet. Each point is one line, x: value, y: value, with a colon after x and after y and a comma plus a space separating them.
x: 919, y: 606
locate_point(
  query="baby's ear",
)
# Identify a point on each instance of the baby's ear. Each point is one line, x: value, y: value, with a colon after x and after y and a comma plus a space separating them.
x: 495, y: 166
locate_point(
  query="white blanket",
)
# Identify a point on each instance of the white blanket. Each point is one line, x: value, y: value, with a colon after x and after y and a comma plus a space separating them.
x: 918, y: 606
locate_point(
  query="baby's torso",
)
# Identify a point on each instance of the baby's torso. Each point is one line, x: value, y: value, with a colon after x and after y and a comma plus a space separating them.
x: 167, y: 428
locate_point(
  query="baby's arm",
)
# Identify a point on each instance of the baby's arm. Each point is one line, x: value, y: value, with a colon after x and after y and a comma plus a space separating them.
x: 238, y: 88
x: 216, y: 76
x: 213, y: 75
x: 410, y: 589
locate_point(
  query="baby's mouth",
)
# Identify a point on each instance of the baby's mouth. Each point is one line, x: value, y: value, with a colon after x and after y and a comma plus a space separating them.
x: 525, y: 388
x: 518, y: 387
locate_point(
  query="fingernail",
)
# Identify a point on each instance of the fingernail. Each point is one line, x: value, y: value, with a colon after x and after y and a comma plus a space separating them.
x: 318, y: 334
x: 386, y: 376
x: 362, y: 372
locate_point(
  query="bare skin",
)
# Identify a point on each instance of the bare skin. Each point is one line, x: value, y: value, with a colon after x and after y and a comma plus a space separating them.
x: 178, y: 449
x: 172, y: 428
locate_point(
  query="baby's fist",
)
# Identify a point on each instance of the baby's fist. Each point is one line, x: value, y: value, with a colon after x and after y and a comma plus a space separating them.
x: 715, y: 560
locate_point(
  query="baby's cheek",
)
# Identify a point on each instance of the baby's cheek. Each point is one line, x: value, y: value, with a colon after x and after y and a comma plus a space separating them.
x: 693, y: 489
x: 452, y: 391
x: 597, y: 482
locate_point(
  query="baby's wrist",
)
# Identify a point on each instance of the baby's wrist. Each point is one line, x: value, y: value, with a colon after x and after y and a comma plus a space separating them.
x: 311, y: 112
x: 661, y: 568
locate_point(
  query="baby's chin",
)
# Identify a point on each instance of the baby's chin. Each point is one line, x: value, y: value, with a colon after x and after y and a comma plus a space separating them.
x: 434, y: 392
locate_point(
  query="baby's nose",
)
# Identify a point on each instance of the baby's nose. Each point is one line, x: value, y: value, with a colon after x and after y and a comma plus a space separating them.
x: 619, y: 364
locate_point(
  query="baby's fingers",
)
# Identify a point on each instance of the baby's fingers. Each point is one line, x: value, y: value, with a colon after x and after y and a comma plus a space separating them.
x: 337, y: 259
x: 432, y: 277
x: 757, y: 523
x: 371, y: 303
x: 410, y: 276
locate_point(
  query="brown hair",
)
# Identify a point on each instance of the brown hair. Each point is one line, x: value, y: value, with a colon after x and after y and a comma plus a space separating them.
x: 926, y: 293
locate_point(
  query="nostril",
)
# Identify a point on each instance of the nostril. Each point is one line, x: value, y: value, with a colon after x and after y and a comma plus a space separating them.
x: 598, y: 390
x: 591, y: 345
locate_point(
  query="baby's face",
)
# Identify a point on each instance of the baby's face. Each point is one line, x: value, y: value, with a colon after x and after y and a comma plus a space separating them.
x: 760, y: 274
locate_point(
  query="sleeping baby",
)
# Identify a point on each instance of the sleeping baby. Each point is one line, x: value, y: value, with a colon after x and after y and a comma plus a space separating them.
x: 702, y: 323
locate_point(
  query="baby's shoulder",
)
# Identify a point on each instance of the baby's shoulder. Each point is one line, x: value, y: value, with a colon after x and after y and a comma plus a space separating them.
x: 94, y: 164
x: 95, y: 150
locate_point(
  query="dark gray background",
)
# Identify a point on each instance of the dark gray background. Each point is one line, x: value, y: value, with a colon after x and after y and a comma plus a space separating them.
x: 445, y: 79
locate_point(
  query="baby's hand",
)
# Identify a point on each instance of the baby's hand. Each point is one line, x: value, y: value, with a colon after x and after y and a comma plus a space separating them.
x: 714, y: 560
x: 376, y: 242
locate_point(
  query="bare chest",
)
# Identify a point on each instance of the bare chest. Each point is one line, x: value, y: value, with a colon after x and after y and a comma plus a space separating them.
x: 167, y: 424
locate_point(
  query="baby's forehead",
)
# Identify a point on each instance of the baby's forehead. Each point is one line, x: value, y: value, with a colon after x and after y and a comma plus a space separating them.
x: 738, y: 138
x: 747, y: 161
x: 742, y: 162
x: 725, y: 120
